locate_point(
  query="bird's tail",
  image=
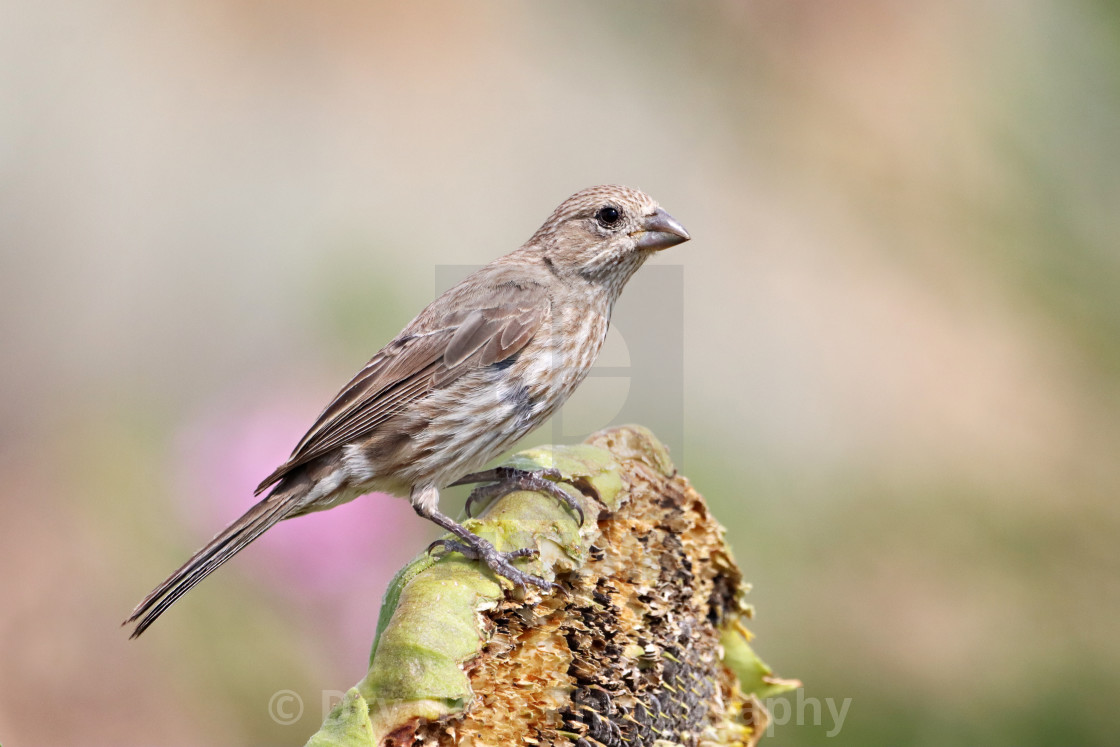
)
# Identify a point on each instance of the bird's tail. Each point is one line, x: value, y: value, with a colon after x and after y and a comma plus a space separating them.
x: 279, y: 505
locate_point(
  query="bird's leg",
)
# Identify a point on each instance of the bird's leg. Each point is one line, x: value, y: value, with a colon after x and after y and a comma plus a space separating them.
x: 425, y: 501
x: 504, y: 480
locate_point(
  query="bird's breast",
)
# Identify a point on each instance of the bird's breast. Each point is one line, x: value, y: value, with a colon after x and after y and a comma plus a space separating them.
x: 555, y: 362
x: 484, y: 413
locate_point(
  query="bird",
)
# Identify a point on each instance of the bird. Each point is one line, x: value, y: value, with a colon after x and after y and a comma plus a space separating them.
x: 483, y: 365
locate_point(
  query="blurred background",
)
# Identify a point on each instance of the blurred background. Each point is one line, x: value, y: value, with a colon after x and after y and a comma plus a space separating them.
x: 901, y: 331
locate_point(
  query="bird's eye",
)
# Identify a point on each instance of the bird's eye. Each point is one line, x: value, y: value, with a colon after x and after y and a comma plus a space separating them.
x: 607, y: 216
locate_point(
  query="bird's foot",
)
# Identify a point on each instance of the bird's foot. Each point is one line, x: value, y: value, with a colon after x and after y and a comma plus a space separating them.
x: 497, y: 561
x: 505, y: 480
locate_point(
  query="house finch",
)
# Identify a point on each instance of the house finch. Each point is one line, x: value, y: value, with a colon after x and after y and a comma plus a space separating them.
x: 484, y: 364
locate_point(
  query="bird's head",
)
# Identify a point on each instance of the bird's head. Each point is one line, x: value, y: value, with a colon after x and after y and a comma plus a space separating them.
x: 605, y: 233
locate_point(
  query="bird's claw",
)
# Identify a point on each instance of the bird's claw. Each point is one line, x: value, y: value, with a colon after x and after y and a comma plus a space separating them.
x: 497, y: 561
x: 472, y: 553
x: 505, y: 480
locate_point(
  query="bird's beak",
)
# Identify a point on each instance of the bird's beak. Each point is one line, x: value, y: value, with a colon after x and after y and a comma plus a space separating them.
x: 660, y: 231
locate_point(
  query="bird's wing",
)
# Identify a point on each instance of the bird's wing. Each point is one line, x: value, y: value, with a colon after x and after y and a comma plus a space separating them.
x: 485, y: 330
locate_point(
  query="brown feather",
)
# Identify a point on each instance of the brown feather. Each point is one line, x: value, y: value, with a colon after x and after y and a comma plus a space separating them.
x: 221, y: 548
x: 489, y: 328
